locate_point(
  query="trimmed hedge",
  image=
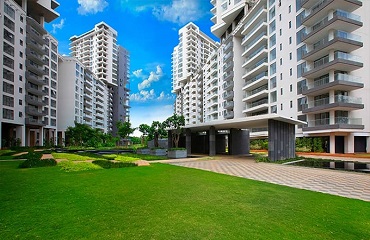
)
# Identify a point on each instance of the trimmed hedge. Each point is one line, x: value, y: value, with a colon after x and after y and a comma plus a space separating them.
x: 34, y: 160
x: 110, y: 164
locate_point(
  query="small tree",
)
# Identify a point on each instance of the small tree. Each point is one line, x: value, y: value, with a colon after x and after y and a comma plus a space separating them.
x: 124, y: 129
x: 157, y: 131
x: 145, y: 130
x: 175, y: 123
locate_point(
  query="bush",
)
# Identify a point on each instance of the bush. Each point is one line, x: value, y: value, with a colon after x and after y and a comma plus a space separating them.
x: 70, y: 166
x: 109, y: 164
x: 261, y: 158
x: 31, y: 163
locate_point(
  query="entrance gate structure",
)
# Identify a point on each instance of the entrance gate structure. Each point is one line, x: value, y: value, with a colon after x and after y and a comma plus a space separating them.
x: 204, y: 137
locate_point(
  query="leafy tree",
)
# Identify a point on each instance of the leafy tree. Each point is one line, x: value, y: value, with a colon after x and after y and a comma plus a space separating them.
x: 145, y: 130
x: 79, y: 135
x: 157, y: 131
x: 124, y: 129
x: 175, y: 123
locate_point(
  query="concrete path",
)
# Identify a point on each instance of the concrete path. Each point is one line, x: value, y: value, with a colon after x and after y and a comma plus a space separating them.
x: 341, y: 183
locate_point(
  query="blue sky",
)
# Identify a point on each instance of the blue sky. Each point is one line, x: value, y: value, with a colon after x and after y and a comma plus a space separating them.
x: 149, y: 30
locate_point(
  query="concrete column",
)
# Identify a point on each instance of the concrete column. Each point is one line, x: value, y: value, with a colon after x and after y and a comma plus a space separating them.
x: 212, y: 141
x: 349, y: 146
x: 21, y: 134
x: 188, y: 141
x: 169, y: 139
x: 281, y: 137
x: 238, y: 142
x: 41, y: 136
x: 332, y: 143
x: 368, y: 144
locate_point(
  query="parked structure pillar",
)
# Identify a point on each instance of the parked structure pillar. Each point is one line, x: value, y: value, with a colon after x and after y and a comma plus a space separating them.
x: 212, y: 141
x: 188, y: 141
x: 169, y: 139
x: 281, y: 137
x: 238, y: 142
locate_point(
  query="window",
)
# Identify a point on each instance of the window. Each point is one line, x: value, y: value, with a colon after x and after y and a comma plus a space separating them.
x: 20, y: 90
x: 281, y: 106
x: 300, y: 69
x: 273, y: 54
x: 9, y: 11
x: 20, y: 114
x: 301, y: 103
x: 8, y: 36
x: 300, y: 52
x: 281, y: 91
x: 21, y: 42
x: 291, y: 104
x: 21, y: 54
x: 8, y: 62
x: 272, y: 68
x: 8, y: 75
x: 20, y: 102
x: 290, y: 56
x: 279, y: 17
x: 290, y: 40
x: 290, y: 8
x: 21, y: 18
x: 20, y: 78
x: 281, y: 61
x: 300, y: 85
x: 281, y: 47
x: 8, y: 101
x: 8, y: 114
x: 20, y: 66
x: 291, y: 88
x: 290, y: 24
x: 290, y: 72
x: 280, y: 31
x: 8, y: 88
x: 21, y: 30
x: 281, y: 76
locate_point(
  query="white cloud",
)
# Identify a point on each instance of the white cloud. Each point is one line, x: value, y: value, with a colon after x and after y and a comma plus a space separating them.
x: 179, y: 11
x: 59, y: 25
x: 153, y: 77
x: 138, y: 73
x: 143, y: 96
x: 91, y: 6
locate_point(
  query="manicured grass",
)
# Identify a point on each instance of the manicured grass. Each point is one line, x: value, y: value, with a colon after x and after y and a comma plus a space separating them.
x: 167, y: 202
x: 83, y: 156
x: 146, y: 156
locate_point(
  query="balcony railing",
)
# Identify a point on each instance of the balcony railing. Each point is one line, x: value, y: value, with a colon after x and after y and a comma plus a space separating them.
x: 346, y: 77
x: 252, y: 55
x: 257, y: 103
x: 258, y: 38
x: 259, y: 63
x: 337, y: 120
x: 257, y: 90
x: 256, y: 78
x: 258, y: 25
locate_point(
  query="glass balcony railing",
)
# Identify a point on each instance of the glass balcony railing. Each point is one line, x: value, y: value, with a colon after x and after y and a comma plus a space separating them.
x: 256, y: 78
x: 257, y: 103
x: 259, y: 63
x: 347, y: 99
x: 255, y: 15
x: 252, y: 55
x: 258, y: 38
x: 253, y: 29
x: 346, y: 77
x: 346, y: 56
x: 337, y: 120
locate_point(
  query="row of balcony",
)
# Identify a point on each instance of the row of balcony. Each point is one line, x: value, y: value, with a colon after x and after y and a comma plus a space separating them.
x: 335, y: 123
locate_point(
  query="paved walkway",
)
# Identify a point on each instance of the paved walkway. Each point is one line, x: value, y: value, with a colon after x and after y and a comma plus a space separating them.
x: 341, y: 183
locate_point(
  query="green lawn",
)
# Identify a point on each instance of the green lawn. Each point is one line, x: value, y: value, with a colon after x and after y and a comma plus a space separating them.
x: 167, y: 202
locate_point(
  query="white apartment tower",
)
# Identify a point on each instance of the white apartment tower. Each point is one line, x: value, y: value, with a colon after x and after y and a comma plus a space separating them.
x: 302, y: 59
x: 84, y: 99
x: 98, y: 51
x: 29, y: 67
x: 188, y: 59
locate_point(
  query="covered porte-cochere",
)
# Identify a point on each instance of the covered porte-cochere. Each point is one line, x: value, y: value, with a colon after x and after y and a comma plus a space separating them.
x: 232, y: 136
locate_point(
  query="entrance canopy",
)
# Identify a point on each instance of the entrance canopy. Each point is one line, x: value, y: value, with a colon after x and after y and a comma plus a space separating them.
x: 242, y: 123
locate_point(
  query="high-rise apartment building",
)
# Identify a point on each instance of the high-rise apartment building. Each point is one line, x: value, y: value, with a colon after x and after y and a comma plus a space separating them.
x: 29, y: 67
x: 188, y: 59
x: 83, y: 98
x: 301, y: 59
x: 98, y: 51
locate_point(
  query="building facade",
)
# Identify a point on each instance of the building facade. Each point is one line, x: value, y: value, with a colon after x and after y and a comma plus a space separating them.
x: 302, y: 59
x: 188, y: 59
x: 84, y: 97
x: 98, y: 51
x: 29, y: 67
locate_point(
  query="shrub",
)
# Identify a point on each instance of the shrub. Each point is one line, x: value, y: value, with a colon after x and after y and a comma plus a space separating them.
x: 261, y: 158
x: 70, y: 166
x: 110, y: 164
x: 31, y: 163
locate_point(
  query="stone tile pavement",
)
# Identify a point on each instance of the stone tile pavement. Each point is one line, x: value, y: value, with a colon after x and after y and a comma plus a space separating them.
x: 341, y: 183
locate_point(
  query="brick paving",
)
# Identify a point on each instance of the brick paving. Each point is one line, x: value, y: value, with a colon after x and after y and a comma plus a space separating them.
x: 341, y: 183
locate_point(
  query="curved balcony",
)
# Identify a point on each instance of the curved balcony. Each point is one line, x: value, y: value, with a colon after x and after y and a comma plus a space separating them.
x: 341, y: 81
x: 342, y: 61
x: 341, y: 20
x: 339, y: 123
x: 320, y: 9
x: 340, y: 102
